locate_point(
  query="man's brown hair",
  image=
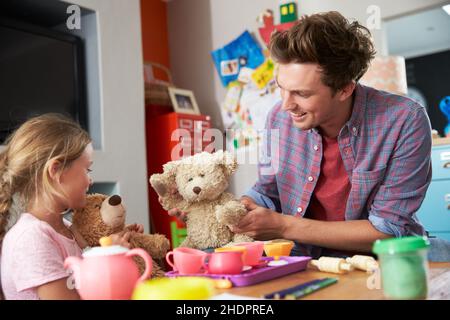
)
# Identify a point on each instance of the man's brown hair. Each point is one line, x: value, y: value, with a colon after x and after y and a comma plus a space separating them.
x: 342, y: 49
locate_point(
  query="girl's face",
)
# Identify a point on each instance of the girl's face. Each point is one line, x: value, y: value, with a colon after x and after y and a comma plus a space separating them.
x: 75, y: 180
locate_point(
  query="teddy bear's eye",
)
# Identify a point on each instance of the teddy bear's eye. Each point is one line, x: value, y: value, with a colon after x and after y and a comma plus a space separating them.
x: 190, y: 179
x: 202, y: 175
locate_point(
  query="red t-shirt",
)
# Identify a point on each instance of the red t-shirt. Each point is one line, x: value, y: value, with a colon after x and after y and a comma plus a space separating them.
x: 329, y: 199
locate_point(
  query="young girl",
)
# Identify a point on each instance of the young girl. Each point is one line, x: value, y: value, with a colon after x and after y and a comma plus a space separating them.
x: 46, y: 165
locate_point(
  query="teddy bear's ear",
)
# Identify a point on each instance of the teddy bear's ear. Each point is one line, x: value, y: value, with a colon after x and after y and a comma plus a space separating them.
x: 156, y: 181
x: 162, y: 182
x: 227, y: 160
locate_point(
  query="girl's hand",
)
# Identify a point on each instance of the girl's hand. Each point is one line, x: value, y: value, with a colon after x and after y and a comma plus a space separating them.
x: 121, y: 239
x: 135, y: 227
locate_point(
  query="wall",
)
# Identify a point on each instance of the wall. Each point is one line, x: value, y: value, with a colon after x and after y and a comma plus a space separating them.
x: 89, y: 35
x: 190, y: 41
x: 155, y: 43
x: 197, y: 27
x: 121, y: 158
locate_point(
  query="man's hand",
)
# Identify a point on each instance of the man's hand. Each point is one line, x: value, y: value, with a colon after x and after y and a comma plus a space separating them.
x: 260, y: 223
x: 248, y: 202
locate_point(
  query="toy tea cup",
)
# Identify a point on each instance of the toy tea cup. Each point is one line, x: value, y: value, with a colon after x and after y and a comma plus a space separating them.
x: 254, y: 252
x: 226, y: 262
x: 277, y: 248
x: 108, y: 273
x: 186, y: 260
x: 241, y: 249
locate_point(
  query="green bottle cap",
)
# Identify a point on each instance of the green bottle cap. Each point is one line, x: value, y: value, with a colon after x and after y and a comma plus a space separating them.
x: 400, y: 245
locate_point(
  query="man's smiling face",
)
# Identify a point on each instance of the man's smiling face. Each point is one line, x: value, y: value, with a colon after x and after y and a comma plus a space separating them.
x: 309, y: 102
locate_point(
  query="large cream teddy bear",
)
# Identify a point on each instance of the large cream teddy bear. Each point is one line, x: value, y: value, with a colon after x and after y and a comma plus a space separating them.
x: 105, y: 215
x: 197, y: 185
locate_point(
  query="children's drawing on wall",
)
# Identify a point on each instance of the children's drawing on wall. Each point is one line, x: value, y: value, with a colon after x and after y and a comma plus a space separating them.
x: 249, y: 76
x: 243, y: 51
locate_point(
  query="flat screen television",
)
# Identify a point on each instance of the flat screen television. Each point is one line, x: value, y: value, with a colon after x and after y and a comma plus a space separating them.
x: 41, y: 71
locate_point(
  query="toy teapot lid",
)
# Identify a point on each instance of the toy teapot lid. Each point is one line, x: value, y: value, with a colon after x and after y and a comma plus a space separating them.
x: 105, y: 249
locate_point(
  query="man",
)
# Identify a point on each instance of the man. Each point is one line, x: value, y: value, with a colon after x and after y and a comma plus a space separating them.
x: 354, y: 162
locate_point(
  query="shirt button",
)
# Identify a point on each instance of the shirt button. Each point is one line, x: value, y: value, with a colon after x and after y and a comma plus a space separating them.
x: 310, y: 179
x: 355, y: 131
x: 299, y: 209
x: 316, y: 147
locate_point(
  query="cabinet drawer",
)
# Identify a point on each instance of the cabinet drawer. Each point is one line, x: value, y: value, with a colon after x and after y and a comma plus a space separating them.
x: 440, y: 158
x: 434, y: 213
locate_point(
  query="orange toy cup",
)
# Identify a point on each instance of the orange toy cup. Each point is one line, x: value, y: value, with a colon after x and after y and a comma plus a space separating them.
x: 277, y: 248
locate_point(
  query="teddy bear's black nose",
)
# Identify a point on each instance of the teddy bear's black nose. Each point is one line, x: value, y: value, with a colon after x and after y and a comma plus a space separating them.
x: 197, y: 190
x: 115, y: 200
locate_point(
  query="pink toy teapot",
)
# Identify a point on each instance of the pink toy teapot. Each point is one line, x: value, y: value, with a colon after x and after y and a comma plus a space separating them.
x: 108, y: 273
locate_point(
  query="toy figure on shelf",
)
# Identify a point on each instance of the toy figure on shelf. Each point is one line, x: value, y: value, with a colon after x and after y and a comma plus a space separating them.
x: 444, y: 105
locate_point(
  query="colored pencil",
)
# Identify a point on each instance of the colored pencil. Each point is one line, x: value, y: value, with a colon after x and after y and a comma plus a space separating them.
x: 311, y: 288
x: 282, y: 293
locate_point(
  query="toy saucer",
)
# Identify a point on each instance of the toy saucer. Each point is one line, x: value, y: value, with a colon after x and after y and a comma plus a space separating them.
x: 246, y: 268
x: 276, y: 263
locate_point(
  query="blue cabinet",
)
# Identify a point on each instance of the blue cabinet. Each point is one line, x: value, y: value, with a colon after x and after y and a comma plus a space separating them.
x: 434, y: 213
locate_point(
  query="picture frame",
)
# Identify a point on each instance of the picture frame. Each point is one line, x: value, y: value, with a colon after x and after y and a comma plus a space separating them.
x: 183, y: 101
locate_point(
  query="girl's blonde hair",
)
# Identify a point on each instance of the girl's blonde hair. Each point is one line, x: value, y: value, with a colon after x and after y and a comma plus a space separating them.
x: 25, y: 160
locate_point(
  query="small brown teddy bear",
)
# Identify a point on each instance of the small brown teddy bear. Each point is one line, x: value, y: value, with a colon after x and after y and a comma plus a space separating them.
x: 103, y: 216
x: 197, y: 185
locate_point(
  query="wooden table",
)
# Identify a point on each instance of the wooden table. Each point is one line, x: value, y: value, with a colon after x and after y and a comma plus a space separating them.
x: 351, y: 286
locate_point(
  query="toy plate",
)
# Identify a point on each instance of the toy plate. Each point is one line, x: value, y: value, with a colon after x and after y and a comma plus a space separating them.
x: 256, y: 274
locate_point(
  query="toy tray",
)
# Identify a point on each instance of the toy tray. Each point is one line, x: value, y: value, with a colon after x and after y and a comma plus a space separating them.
x: 256, y: 274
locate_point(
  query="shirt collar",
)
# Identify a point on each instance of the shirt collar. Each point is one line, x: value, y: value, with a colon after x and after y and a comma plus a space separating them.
x: 359, y: 105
